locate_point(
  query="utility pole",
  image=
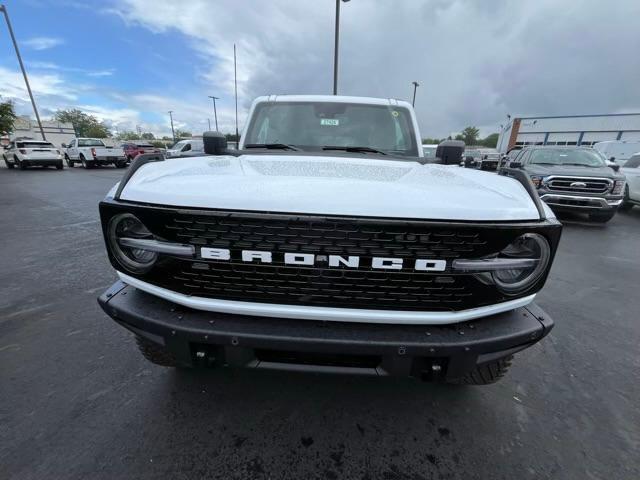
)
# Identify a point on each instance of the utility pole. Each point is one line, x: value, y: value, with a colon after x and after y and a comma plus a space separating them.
x: 235, y: 81
x: 215, y: 113
x: 335, y: 52
x: 173, y: 132
x: 24, y: 72
x: 415, y: 87
x: 209, y: 121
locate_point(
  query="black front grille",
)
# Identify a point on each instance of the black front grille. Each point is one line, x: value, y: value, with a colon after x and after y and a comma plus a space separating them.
x: 320, y: 284
x: 325, y: 286
x: 579, y: 184
x: 324, y: 236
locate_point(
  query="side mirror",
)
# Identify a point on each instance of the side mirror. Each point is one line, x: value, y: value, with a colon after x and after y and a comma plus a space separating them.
x: 215, y: 143
x: 612, y: 159
x: 614, y: 166
x: 63, y: 145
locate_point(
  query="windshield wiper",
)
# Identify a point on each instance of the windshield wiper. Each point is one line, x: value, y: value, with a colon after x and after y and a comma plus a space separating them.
x: 578, y: 164
x: 272, y: 146
x: 354, y: 149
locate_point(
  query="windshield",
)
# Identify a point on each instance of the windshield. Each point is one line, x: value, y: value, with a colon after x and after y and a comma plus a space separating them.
x: 34, y: 145
x: 90, y: 142
x: 313, y: 125
x: 556, y: 156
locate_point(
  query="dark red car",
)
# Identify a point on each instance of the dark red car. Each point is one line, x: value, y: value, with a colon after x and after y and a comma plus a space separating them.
x: 132, y: 149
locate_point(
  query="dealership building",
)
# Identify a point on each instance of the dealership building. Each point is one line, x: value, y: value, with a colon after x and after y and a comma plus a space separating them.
x: 569, y: 130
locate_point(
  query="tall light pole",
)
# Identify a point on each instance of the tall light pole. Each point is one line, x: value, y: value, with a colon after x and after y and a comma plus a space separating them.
x: 335, y: 52
x: 215, y: 113
x: 209, y: 121
x: 415, y: 87
x: 173, y: 132
x: 24, y: 72
x: 235, y: 83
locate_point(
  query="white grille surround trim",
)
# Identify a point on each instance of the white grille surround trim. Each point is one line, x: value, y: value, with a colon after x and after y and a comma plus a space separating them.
x: 305, y: 312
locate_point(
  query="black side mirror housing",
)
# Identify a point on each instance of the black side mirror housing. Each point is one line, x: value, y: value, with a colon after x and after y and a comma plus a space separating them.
x: 450, y: 152
x: 612, y: 159
x: 614, y: 166
x: 63, y: 145
x: 215, y: 143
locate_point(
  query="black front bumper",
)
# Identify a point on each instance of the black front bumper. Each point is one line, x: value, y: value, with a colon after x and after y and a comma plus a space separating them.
x: 432, y: 352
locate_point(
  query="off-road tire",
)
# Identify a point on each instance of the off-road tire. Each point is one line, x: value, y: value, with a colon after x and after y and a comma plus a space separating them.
x: 601, y: 217
x: 9, y: 165
x: 486, y: 373
x: 121, y: 164
x: 21, y: 165
x: 59, y: 166
x: 155, y: 353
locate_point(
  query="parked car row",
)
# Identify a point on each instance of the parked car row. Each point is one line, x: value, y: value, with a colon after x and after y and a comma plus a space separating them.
x: 89, y: 152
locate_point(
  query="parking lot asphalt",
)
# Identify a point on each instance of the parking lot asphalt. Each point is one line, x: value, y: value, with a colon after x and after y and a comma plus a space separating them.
x: 77, y: 400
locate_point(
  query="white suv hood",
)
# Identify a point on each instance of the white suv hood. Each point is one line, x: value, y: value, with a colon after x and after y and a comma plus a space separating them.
x: 331, y: 186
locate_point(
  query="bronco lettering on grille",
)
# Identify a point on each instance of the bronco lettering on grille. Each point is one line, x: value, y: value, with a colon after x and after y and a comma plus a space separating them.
x: 310, y: 259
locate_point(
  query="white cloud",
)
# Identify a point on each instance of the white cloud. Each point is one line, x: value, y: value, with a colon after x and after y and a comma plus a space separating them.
x: 43, y: 43
x: 101, y: 73
x: 476, y: 61
x: 39, y: 65
x: 50, y: 86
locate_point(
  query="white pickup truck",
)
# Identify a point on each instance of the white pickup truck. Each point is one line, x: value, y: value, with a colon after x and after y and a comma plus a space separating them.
x: 326, y: 242
x: 91, y: 152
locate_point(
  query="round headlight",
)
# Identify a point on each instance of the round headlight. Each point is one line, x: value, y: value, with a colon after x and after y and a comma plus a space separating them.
x: 528, y: 246
x: 126, y: 225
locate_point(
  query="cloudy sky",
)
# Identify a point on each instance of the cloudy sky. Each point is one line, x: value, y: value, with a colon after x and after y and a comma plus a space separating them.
x: 130, y: 61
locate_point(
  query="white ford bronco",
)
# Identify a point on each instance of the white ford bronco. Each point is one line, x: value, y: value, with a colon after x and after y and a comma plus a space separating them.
x: 326, y: 242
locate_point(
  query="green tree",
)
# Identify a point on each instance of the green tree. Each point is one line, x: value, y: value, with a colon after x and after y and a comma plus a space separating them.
x: 128, y: 135
x: 433, y: 141
x: 167, y: 139
x: 459, y: 137
x: 232, y: 137
x: 84, y: 124
x: 183, y: 134
x: 491, y: 141
x: 148, y: 136
x: 7, y: 117
x: 470, y: 135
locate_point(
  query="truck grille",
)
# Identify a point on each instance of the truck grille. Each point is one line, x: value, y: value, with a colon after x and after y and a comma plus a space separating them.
x: 579, y: 184
x: 319, y: 284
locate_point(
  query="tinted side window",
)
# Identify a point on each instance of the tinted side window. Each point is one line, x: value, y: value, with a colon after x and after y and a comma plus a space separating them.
x: 186, y: 148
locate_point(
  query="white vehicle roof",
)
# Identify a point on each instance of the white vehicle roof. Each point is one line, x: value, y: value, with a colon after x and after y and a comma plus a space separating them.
x: 331, y: 98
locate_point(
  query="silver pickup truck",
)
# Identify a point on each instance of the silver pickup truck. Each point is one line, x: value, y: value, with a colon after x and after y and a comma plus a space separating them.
x: 91, y: 152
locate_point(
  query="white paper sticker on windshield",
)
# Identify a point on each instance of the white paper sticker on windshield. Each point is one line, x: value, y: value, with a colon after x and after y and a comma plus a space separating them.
x: 330, y: 121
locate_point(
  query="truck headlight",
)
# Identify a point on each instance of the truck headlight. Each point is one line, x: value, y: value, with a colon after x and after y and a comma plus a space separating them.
x: 533, y: 253
x: 618, y: 187
x: 516, y: 268
x: 537, y: 181
x: 126, y: 225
